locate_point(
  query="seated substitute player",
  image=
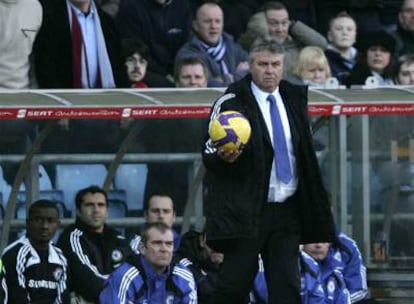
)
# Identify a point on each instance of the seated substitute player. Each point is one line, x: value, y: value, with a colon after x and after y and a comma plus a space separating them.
x: 311, y: 290
x: 341, y: 259
x: 34, y: 270
x: 159, y: 208
x: 149, y: 277
x: 203, y: 262
x: 92, y: 248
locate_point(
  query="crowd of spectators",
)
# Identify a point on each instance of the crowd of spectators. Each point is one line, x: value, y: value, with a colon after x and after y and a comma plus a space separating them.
x: 89, y: 44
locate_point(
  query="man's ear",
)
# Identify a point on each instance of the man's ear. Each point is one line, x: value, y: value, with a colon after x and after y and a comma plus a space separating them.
x: 329, y: 36
x: 141, y: 247
x: 195, y: 26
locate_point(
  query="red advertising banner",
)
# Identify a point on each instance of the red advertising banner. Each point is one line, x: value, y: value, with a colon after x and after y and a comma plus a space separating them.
x: 147, y: 112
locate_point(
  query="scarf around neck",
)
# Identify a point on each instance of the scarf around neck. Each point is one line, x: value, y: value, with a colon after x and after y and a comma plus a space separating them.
x: 81, y: 79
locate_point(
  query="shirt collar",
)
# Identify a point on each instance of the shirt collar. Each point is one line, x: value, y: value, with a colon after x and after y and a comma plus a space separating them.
x: 260, y: 94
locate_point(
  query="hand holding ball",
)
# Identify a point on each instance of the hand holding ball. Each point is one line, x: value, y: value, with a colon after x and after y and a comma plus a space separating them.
x: 229, y: 131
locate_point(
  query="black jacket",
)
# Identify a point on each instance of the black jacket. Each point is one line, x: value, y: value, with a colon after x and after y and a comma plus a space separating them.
x: 91, y: 257
x: 236, y: 193
x: 191, y: 255
x: 33, y: 276
x: 53, y: 48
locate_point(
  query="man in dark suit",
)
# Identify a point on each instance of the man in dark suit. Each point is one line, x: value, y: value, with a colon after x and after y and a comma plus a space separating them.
x: 256, y: 201
x: 77, y: 47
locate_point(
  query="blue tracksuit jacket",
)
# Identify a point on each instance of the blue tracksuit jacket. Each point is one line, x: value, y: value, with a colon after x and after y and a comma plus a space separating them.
x: 135, y: 282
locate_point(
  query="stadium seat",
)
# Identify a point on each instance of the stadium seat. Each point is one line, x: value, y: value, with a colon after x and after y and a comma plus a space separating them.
x: 53, y: 195
x: 117, y: 208
x: 5, y: 189
x: 71, y: 178
x: 132, y: 178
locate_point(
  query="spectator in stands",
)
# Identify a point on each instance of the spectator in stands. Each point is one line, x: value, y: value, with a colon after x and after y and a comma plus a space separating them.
x: 77, y: 47
x: 257, y: 27
x: 35, y: 270
x: 376, y: 60
x: 341, y: 53
x: 365, y: 12
x: 311, y: 68
x: 236, y: 13
x: 19, y: 22
x: 136, y: 56
x: 339, y: 261
x: 92, y: 248
x: 159, y: 208
x: 163, y: 25
x: 203, y: 262
x: 404, y: 35
x: 405, y: 70
x: 150, y: 277
x: 190, y: 72
x: 225, y: 59
x: 291, y: 35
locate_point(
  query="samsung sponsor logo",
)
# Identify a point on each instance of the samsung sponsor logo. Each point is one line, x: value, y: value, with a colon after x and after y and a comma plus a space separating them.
x: 42, y: 284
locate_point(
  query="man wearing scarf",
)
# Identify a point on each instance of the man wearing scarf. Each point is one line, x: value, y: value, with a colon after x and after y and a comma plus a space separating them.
x: 77, y: 47
x: 225, y: 59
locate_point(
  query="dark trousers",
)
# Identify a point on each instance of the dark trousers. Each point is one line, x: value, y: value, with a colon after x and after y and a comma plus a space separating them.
x: 278, y: 243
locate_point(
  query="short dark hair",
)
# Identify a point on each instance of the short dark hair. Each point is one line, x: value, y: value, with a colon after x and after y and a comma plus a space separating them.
x: 158, y: 193
x: 342, y: 14
x: 191, y: 60
x: 160, y: 226
x: 91, y: 189
x: 274, y: 5
x: 42, y: 204
x: 130, y: 46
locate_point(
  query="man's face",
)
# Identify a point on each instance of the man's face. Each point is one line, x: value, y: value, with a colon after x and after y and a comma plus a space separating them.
x: 318, y: 251
x: 378, y: 58
x: 82, y: 5
x: 406, y: 74
x: 278, y: 21
x: 192, y: 76
x: 315, y: 73
x: 160, y: 209
x: 136, y: 67
x: 266, y: 69
x: 208, y: 23
x: 342, y: 33
x: 406, y: 15
x: 93, y: 211
x: 158, y: 249
x: 42, y: 225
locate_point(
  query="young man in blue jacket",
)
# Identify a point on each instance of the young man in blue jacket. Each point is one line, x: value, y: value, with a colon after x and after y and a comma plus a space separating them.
x: 311, y: 290
x: 149, y: 277
x: 341, y: 258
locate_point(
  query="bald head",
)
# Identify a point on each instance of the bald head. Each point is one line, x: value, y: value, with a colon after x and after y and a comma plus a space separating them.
x: 208, y: 23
